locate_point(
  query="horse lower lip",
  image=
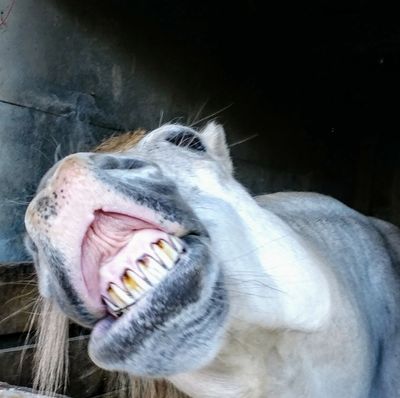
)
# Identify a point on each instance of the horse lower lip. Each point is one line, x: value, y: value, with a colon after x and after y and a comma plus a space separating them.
x: 103, y: 324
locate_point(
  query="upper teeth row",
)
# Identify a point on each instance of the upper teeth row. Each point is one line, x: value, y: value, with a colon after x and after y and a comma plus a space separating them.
x: 151, y: 269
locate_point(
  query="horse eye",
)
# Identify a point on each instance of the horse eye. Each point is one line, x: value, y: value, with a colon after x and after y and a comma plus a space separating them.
x: 186, y: 139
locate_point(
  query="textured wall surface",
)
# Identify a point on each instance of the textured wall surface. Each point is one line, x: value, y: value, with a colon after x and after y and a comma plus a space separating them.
x: 314, y: 82
x: 71, y: 75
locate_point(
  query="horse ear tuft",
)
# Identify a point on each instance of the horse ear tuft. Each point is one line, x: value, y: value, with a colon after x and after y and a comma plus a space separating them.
x: 213, y: 137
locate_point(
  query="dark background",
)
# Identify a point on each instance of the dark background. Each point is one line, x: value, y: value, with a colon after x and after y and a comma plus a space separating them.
x: 312, y: 86
x: 317, y: 82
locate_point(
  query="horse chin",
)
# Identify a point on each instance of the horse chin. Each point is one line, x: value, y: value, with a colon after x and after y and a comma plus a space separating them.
x: 175, y: 325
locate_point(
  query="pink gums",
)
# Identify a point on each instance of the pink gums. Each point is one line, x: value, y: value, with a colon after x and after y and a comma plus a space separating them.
x: 109, y: 243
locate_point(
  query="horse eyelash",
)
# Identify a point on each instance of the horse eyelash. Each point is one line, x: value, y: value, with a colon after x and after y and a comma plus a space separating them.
x: 186, y: 140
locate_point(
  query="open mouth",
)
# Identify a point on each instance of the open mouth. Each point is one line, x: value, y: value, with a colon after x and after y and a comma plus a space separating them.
x: 124, y: 258
x: 157, y: 287
x: 143, y: 275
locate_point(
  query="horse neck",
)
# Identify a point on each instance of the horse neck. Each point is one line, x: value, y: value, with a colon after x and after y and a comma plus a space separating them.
x: 276, y: 278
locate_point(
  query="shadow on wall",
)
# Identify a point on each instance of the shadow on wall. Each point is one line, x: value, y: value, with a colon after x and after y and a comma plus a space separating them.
x: 312, y: 81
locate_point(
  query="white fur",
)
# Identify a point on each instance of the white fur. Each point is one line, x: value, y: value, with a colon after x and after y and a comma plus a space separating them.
x: 293, y: 328
x: 281, y: 293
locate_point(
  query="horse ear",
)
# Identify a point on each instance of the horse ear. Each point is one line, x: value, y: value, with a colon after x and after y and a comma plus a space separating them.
x: 213, y: 137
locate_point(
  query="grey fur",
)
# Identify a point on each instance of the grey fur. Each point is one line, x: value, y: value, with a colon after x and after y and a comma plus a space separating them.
x: 178, y: 325
x: 365, y: 253
x: 185, y: 324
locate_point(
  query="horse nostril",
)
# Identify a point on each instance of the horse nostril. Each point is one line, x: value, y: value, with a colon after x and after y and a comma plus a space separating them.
x: 110, y: 162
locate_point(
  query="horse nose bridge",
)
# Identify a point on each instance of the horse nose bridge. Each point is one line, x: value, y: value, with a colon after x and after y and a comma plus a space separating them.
x: 76, y: 162
x: 81, y: 164
x: 118, y: 164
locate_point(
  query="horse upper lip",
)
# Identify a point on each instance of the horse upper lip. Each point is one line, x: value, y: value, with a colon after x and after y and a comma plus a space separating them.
x: 59, y: 217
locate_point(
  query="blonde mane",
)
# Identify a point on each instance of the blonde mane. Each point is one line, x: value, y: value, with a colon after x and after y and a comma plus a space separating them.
x: 51, y: 362
x: 122, y: 142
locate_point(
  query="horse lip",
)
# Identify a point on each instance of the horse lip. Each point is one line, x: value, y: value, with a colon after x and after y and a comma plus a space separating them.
x: 171, y: 215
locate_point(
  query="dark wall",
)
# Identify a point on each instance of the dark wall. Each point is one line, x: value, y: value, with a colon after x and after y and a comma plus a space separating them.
x: 315, y: 81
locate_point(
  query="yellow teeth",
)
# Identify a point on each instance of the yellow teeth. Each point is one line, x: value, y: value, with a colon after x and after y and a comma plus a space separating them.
x: 177, y: 244
x: 154, y: 266
x: 165, y: 252
x: 120, y: 296
x: 114, y: 298
x: 114, y: 308
x: 151, y: 270
x: 134, y: 282
x: 130, y: 283
x: 146, y: 266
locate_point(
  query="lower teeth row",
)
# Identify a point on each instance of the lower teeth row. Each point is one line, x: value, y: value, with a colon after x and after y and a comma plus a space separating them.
x: 151, y: 270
